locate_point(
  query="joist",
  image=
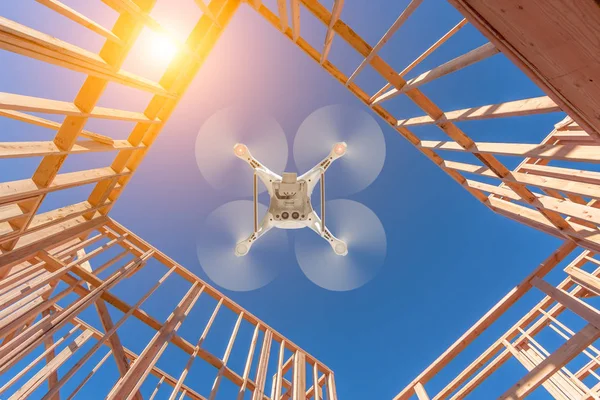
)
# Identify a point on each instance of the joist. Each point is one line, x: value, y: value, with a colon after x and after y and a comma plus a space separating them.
x: 422, y: 57
x: 482, y: 324
x: 481, y: 53
x: 107, y: 323
x: 46, y: 123
x: 545, y: 181
x: 283, y: 15
x: 205, y: 35
x: 80, y: 19
x: 580, y: 153
x: 26, y: 189
x: 142, y: 16
x: 553, y: 363
x: 412, y: 6
x: 295, y: 6
x: 209, y: 290
x: 537, y: 105
x: 34, y: 382
x: 10, y: 101
x: 147, y: 359
x: 335, y: 16
x: 31, y: 43
x: 49, y: 148
x: 585, y: 279
x: 93, y: 87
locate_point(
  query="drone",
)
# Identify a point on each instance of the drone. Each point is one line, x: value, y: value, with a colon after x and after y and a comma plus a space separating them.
x: 290, y: 206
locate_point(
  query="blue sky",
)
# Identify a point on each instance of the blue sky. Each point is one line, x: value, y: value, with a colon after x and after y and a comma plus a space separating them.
x: 449, y: 258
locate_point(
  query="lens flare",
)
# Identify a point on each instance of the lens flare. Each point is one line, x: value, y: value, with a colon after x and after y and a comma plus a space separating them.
x: 162, y: 48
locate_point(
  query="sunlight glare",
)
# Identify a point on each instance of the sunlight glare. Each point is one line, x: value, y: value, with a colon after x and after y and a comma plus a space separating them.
x: 162, y: 48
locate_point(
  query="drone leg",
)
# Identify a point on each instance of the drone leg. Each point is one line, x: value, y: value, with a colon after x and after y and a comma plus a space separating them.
x: 313, y: 176
x: 265, y: 174
x: 242, y: 248
x: 339, y: 246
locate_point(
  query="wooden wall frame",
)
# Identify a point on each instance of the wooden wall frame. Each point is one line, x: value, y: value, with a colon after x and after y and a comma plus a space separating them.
x: 41, y: 251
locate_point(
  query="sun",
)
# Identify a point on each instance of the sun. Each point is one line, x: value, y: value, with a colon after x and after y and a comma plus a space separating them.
x: 162, y: 48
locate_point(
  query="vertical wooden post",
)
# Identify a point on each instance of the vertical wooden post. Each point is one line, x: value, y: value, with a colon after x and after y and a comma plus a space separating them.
x: 299, y: 380
x: 263, y: 363
x: 331, y: 392
x: 316, y: 386
x: 420, y: 392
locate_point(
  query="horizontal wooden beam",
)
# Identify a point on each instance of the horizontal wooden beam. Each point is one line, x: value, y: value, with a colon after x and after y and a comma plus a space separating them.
x: 46, y: 123
x: 39, y: 149
x: 485, y: 322
x: 422, y: 57
x: 26, y: 41
x: 536, y: 105
x: 545, y: 181
x: 81, y: 19
x: 26, y: 189
x: 470, y: 58
x: 581, y: 153
x: 10, y: 101
x: 412, y: 6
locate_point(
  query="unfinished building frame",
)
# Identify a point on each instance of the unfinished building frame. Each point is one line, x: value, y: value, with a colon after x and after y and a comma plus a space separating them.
x: 553, y: 189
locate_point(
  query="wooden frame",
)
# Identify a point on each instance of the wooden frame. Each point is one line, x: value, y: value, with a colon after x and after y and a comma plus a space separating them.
x: 43, y: 263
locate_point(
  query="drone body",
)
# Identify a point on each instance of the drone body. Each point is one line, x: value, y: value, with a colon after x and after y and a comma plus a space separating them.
x: 290, y: 206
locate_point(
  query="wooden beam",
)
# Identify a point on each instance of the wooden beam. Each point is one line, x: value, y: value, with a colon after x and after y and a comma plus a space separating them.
x: 10, y: 101
x: 553, y: 363
x: 295, y: 4
x: 263, y: 363
x: 26, y: 41
x: 283, y: 14
x: 580, y: 153
x: 25, y: 189
x: 49, y: 148
x: 536, y: 105
x: 585, y: 279
x: 335, y: 16
x: 299, y: 380
x: 46, y: 123
x: 141, y: 367
x: 80, y: 19
x: 470, y: 58
x: 108, y: 325
x: 483, y: 323
x: 412, y: 6
x: 225, y: 359
x: 422, y: 57
x: 420, y: 392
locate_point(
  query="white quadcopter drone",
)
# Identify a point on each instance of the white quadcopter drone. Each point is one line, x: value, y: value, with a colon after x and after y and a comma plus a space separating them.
x: 290, y: 206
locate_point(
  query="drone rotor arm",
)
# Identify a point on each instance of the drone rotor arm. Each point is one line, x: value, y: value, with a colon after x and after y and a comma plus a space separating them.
x: 339, y: 246
x: 242, y: 248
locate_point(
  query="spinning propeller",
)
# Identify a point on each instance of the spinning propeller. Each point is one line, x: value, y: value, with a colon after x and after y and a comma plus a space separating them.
x: 228, y: 225
x: 222, y: 131
x: 362, y: 231
x: 337, y: 123
x: 340, y: 143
